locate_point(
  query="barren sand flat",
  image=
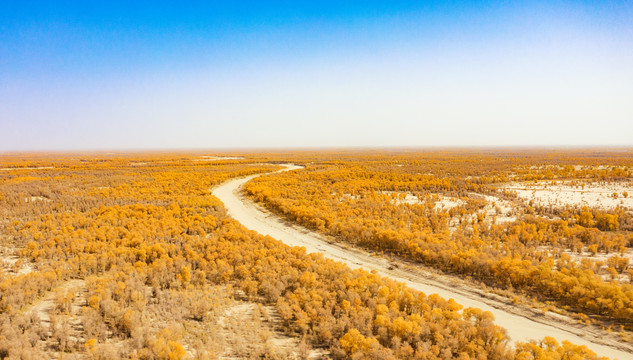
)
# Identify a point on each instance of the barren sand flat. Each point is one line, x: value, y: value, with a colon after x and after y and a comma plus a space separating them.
x: 219, y: 158
x: 36, y: 198
x: 591, y: 195
x: 519, y: 326
x: 448, y: 203
x: 12, y: 264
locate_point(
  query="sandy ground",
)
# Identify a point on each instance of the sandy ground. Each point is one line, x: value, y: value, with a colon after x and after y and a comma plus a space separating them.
x: 219, y: 158
x: 9, y: 262
x: 446, y: 203
x: 36, y: 198
x: 262, y: 323
x: 501, y: 209
x: 562, y: 193
x: 45, y: 305
x: 522, y: 324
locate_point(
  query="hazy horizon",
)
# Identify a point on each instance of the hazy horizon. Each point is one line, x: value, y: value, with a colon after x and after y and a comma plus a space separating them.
x: 244, y: 75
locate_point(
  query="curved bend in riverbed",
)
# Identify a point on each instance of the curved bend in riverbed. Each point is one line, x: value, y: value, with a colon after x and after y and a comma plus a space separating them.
x: 519, y: 327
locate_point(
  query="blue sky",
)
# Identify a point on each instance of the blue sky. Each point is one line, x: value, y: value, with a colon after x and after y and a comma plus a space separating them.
x: 160, y: 75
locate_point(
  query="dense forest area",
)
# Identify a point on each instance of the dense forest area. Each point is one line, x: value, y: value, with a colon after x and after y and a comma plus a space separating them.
x: 130, y: 256
x: 575, y: 257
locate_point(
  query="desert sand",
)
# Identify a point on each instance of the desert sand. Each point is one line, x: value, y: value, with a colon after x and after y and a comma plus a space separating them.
x: 599, y: 195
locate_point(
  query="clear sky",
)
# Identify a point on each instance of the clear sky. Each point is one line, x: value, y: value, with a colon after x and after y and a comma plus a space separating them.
x: 241, y: 74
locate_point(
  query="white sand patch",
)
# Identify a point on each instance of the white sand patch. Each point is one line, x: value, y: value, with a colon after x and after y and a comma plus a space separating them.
x: 219, y: 158
x: 408, y: 199
x: 12, y: 264
x: 350, y: 196
x: 559, y: 194
x: 441, y: 202
x: 600, y: 256
x: 36, y: 198
x: 575, y: 167
x: 447, y: 203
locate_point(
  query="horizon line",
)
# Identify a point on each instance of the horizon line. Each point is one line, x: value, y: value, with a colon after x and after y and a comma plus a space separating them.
x: 263, y: 149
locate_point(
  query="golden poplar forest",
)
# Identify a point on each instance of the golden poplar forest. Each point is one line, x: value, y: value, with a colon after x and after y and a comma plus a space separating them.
x: 129, y: 256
